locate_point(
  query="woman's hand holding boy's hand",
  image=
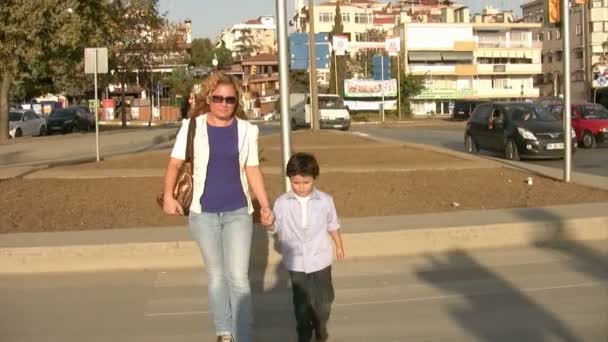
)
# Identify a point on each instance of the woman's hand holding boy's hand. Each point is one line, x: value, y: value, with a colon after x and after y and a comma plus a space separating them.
x: 340, y: 253
x: 266, y: 216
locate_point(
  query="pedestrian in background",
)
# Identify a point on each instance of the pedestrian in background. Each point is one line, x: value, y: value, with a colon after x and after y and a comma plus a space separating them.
x: 305, y: 219
x: 226, y: 165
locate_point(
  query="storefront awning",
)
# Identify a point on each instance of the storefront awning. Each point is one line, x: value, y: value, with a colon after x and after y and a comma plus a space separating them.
x: 457, y: 56
x: 424, y: 56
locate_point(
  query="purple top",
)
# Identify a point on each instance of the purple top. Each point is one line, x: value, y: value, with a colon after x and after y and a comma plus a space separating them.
x: 223, y: 188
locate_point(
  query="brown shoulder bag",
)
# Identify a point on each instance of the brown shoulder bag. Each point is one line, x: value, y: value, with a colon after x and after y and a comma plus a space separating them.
x: 182, y: 192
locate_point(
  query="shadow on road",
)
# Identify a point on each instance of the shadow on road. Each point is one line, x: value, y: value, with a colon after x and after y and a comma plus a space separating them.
x: 272, y: 304
x: 586, y: 260
x: 493, y: 310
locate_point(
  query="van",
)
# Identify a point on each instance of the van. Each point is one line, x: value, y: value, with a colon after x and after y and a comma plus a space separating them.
x: 333, y: 112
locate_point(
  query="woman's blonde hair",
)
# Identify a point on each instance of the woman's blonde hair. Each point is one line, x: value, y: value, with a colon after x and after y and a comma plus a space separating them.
x: 208, y: 85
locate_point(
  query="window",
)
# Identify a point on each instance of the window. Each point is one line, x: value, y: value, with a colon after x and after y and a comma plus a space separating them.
x: 30, y: 116
x: 346, y: 17
x: 579, y: 29
x: 578, y: 53
x: 326, y: 17
x: 363, y: 18
x: 541, y: 36
x: 559, y: 55
x: 550, y: 57
x: 482, y: 113
x: 558, y: 34
x: 596, y: 3
x: 597, y: 27
x: 549, y: 35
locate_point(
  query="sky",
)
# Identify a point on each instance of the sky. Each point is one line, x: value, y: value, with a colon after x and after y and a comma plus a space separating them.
x: 209, y: 17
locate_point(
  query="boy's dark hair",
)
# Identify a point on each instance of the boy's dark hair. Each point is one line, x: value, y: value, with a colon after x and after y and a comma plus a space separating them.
x: 302, y: 164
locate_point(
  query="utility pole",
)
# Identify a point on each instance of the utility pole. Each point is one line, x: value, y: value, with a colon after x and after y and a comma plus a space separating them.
x: 284, y: 87
x: 312, y: 67
x: 567, y: 93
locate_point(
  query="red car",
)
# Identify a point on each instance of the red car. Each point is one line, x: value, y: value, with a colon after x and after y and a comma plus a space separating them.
x: 589, y: 120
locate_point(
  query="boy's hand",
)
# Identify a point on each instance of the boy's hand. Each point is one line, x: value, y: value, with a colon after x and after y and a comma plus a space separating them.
x: 266, y: 216
x: 340, y: 253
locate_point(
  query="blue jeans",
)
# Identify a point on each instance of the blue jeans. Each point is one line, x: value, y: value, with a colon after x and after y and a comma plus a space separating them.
x: 225, y: 242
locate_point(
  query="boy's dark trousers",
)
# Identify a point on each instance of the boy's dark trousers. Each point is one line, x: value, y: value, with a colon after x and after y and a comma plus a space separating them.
x: 313, y: 294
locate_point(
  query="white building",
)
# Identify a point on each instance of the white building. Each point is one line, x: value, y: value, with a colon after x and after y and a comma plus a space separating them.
x: 490, y: 58
x: 358, y: 16
x: 262, y: 31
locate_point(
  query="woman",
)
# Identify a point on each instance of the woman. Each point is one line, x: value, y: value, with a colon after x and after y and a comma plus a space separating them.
x: 225, y: 166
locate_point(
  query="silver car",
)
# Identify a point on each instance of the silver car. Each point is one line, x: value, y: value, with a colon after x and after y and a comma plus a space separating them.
x: 25, y: 123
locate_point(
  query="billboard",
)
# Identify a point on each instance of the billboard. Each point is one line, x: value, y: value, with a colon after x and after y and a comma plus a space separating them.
x: 370, y: 88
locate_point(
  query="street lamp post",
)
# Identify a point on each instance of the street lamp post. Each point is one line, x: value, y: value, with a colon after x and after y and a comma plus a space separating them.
x: 215, y: 61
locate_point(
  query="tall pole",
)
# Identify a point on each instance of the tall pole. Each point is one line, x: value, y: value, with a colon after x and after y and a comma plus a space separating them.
x: 336, y: 71
x: 382, y: 84
x: 96, y: 114
x: 399, y: 84
x: 586, y: 50
x: 312, y: 66
x: 284, y: 88
x: 567, y: 93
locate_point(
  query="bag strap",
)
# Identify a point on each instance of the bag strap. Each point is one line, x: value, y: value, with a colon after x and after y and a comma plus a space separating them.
x: 190, y: 141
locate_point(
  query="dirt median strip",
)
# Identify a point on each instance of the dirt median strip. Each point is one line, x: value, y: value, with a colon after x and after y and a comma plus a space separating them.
x: 376, y: 180
x: 36, y: 205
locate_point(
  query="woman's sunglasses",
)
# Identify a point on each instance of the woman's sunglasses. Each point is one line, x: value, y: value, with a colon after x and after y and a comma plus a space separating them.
x: 231, y: 100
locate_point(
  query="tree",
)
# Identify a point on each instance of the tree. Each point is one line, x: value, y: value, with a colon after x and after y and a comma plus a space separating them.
x: 245, y: 44
x: 138, y: 37
x: 202, y: 52
x: 363, y: 61
x: 411, y: 86
x: 338, y: 70
x: 224, y: 56
x: 299, y: 81
x: 42, y: 47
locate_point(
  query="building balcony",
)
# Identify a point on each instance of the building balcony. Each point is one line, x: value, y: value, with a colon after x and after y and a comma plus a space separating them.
x: 509, y: 69
x: 510, y: 44
x: 476, y: 93
x: 432, y: 69
x: 502, y: 93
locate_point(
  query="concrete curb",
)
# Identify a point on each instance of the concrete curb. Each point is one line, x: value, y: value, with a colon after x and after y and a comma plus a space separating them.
x: 158, y: 248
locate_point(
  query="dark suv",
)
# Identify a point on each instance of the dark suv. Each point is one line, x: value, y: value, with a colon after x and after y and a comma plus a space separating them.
x: 516, y: 129
x: 71, y: 119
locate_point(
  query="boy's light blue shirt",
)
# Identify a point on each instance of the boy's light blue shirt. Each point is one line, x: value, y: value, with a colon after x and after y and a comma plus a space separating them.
x: 306, y: 249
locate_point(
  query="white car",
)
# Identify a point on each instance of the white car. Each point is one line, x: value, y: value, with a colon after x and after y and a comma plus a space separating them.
x: 25, y: 123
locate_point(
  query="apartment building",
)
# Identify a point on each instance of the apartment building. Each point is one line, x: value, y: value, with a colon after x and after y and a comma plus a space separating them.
x: 261, y: 30
x: 550, y: 81
x: 489, y: 58
x: 358, y: 16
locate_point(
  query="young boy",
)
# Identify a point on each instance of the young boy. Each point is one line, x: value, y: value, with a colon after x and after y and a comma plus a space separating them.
x: 305, y: 218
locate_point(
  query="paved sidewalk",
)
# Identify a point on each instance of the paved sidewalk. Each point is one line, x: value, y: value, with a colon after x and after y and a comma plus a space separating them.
x: 80, y: 148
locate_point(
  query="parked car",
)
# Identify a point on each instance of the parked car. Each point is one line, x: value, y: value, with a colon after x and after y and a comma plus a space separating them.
x: 85, y: 113
x: 589, y: 121
x: 333, y: 112
x: 464, y: 108
x: 25, y: 123
x: 517, y: 129
x: 67, y: 120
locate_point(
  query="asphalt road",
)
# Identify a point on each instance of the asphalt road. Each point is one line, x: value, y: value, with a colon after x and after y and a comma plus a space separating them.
x: 535, y: 294
x: 451, y: 135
